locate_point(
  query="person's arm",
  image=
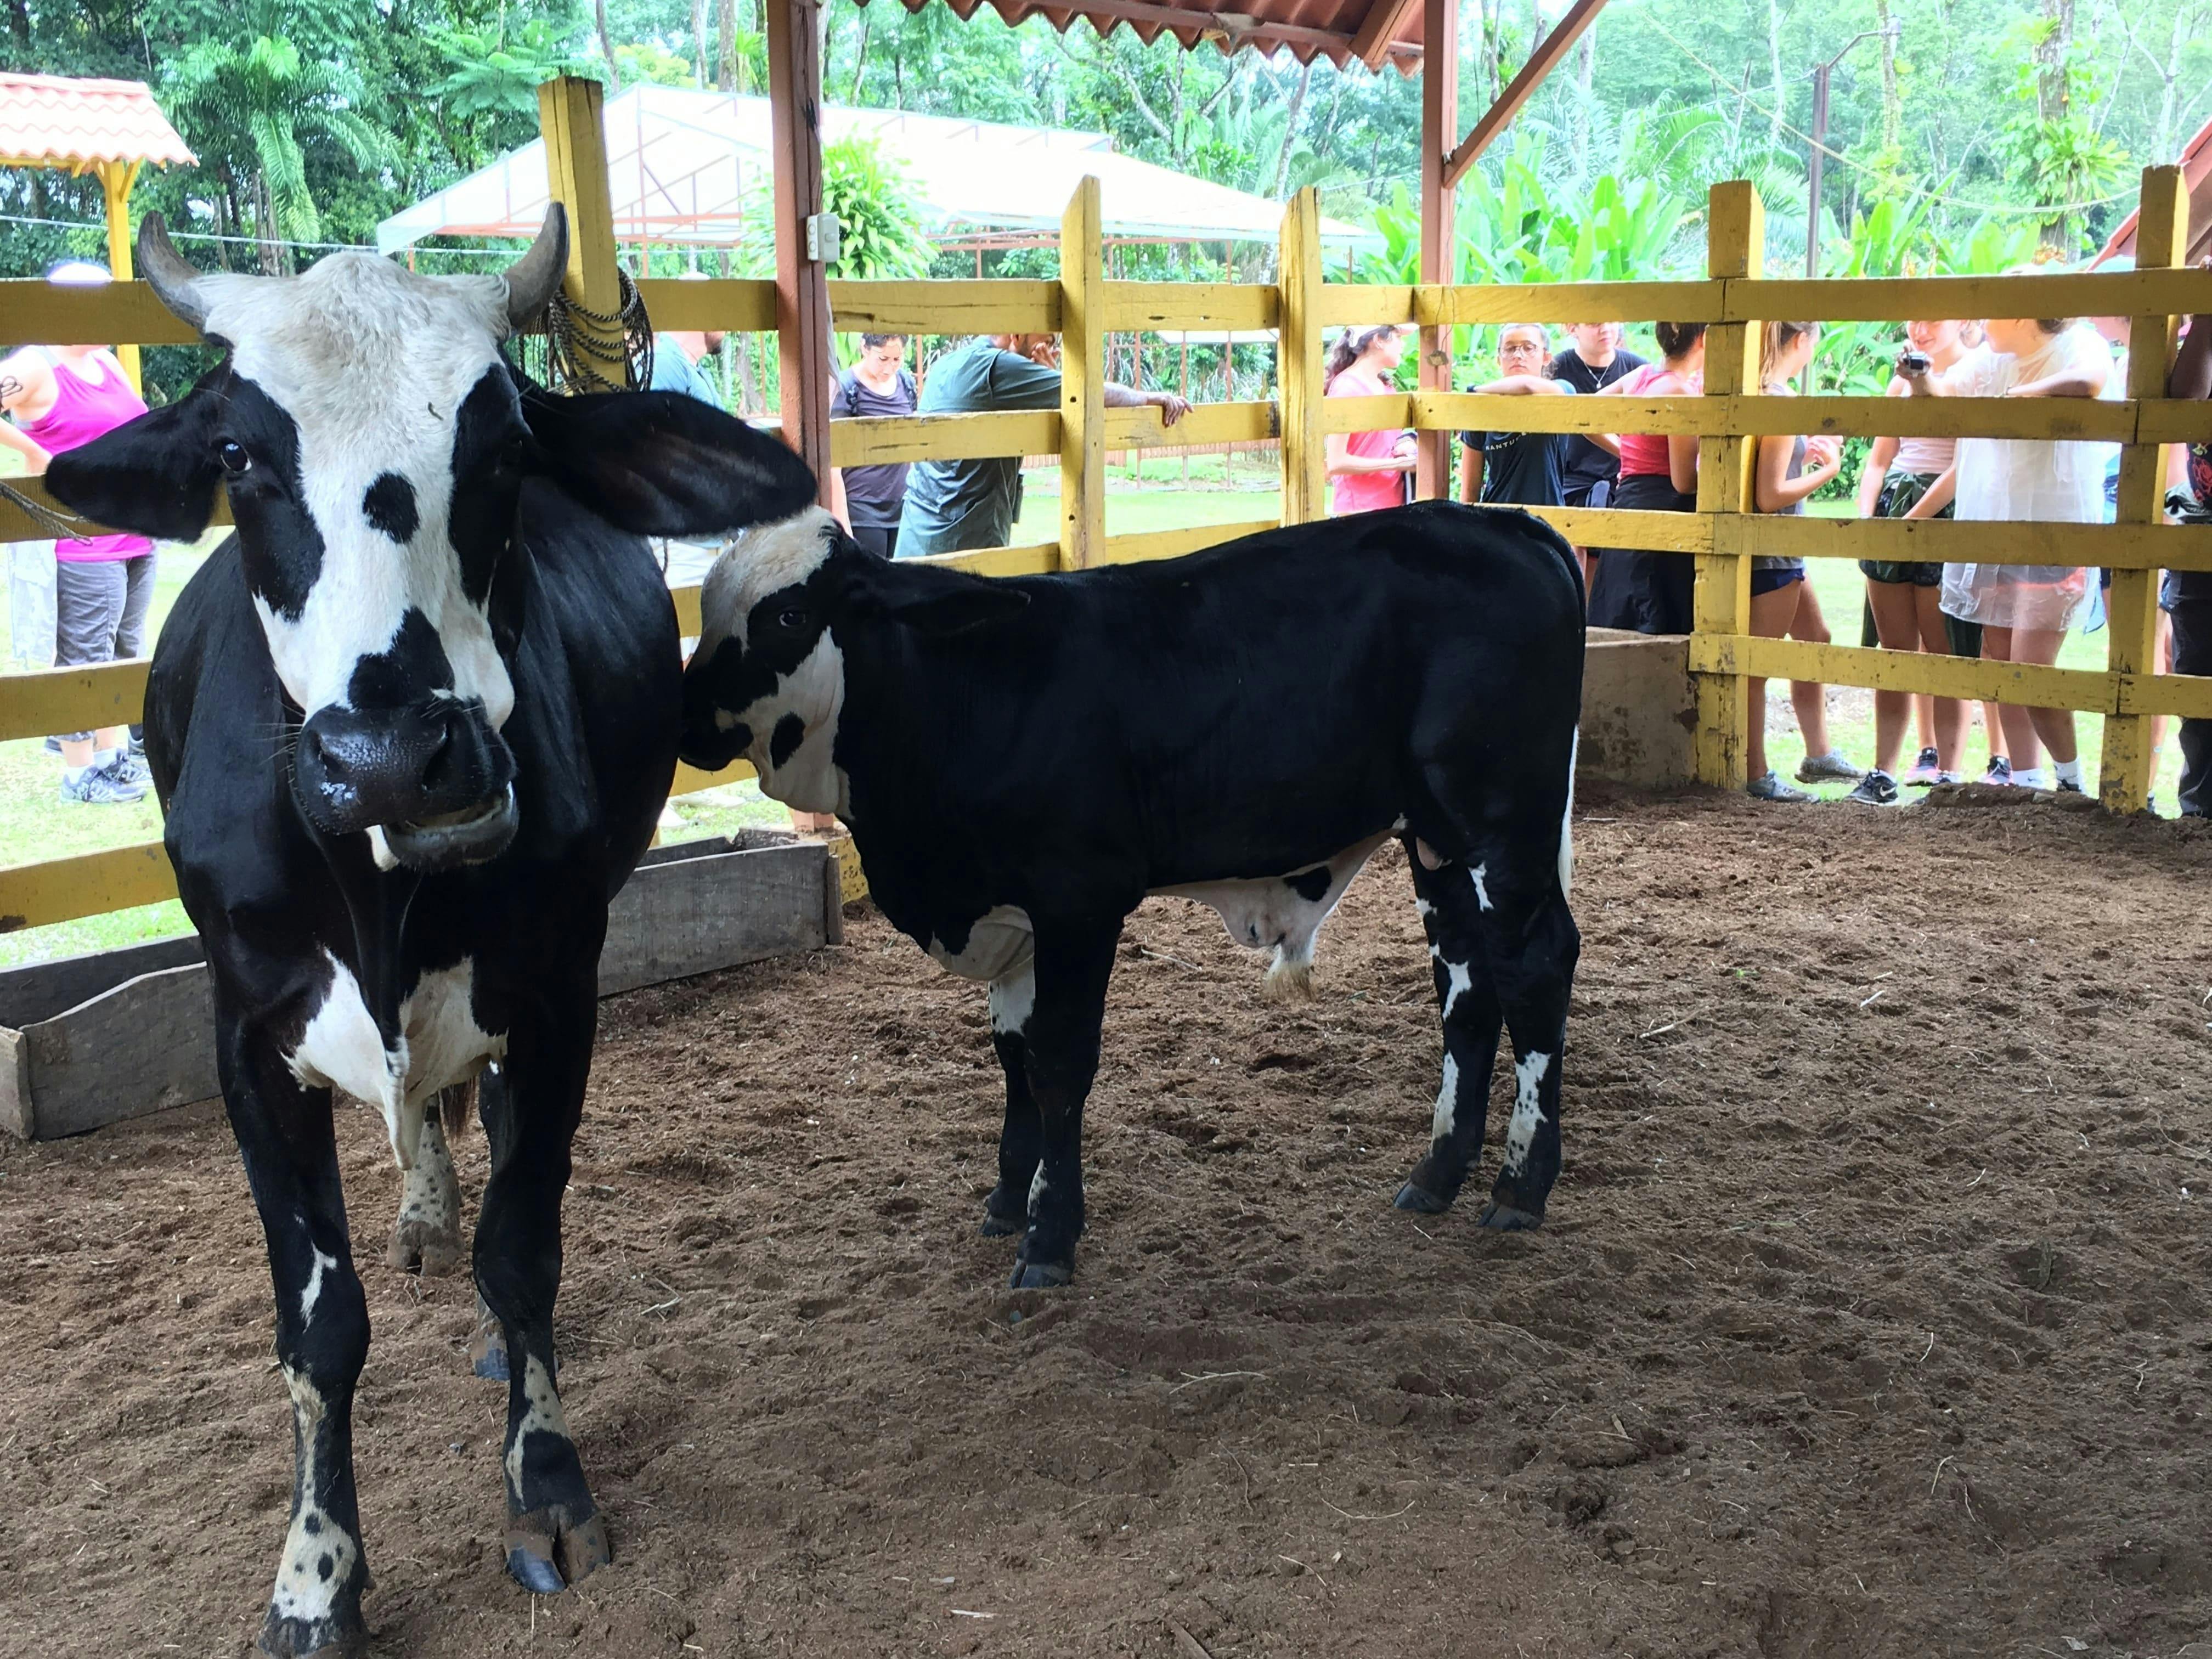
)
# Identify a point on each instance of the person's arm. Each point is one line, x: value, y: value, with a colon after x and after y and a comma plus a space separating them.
x: 1172, y: 408
x: 1773, y: 490
x: 1681, y: 463
x: 1879, y: 455
x: 1938, y: 496
x: 1606, y: 440
x: 1343, y: 464
x: 1470, y: 472
x: 2084, y: 377
x: 1523, y: 386
x: 21, y: 376
x: 34, y: 457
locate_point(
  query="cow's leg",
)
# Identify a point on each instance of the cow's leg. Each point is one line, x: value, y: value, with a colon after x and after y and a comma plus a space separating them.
x: 428, y: 1233
x: 487, y: 1347
x: 555, y: 1535
x: 1059, y: 1049
x: 1450, y: 912
x: 1533, y: 947
x: 284, y: 1136
x: 1005, y: 1212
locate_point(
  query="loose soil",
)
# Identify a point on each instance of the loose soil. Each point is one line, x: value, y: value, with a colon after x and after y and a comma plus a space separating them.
x: 1870, y: 1317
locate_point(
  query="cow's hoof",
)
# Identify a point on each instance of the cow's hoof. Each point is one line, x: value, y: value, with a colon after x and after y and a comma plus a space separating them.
x: 1004, y: 1217
x: 420, y: 1246
x: 1419, y: 1199
x: 1039, y: 1275
x: 339, y: 1637
x: 1505, y: 1218
x: 547, y: 1552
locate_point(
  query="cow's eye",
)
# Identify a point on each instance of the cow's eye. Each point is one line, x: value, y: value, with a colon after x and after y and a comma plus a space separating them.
x: 794, y: 620
x: 234, y: 457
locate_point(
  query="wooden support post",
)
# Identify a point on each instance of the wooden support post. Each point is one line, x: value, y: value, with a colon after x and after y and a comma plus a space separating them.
x: 569, y: 116
x: 802, y: 285
x: 1083, y: 344
x: 116, y: 179
x: 1439, y: 127
x: 1298, y: 361
x: 1735, y: 243
x: 2162, y: 239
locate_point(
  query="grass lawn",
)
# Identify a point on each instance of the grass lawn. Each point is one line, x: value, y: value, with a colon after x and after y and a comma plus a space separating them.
x: 34, y: 823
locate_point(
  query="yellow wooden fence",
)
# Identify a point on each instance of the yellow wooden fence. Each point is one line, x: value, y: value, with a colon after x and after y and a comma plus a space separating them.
x: 1722, y: 535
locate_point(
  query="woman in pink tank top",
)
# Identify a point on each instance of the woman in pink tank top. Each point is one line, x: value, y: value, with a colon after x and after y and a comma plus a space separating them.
x: 1638, y: 588
x: 60, y: 399
x: 1366, y: 470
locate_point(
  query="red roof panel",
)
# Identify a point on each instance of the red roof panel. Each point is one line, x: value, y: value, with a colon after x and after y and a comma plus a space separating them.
x: 1307, y: 28
x: 53, y: 120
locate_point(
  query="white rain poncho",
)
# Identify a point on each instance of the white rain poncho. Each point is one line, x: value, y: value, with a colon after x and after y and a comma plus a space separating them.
x: 2021, y: 480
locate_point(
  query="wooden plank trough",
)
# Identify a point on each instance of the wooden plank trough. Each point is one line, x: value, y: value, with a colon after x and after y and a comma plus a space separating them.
x: 93, y: 1040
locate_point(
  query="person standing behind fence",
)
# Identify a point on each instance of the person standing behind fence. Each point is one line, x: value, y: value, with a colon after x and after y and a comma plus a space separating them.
x: 1366, y: 470
x: 1590, y: 468
x: 1649, y: 592
x: 1905, y: 594
x: 2186, y: 595
x: 1518, y: 469
x: 60, y: 398
x: 2026, y: 610
x: 877, y: 385
x: 952, y: 506
x: 1785, y: 474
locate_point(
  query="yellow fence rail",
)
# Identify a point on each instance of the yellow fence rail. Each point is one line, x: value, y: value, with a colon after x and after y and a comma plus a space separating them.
x: 1722, y: 536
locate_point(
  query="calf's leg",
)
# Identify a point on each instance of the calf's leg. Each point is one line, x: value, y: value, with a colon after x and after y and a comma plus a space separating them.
x: 1060, y: 1051
x: 1005, y: 1212
x: 426, y: 1234
x: 1450, y: 908
x: 284, y: 1136
x: 1533, y: 946
x: 555, y: 1535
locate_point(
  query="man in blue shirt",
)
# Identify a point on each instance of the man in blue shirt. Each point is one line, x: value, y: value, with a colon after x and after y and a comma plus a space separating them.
x: 953, y: 505
x: 676, y: 354
x: 1520, y: 469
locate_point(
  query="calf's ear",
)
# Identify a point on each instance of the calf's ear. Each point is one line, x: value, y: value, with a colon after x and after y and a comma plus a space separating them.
x: 663, y: 464
x: 154, y: 475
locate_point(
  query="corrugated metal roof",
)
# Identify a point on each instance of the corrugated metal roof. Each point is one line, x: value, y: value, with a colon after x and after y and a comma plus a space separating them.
x: 2196, y: 160
x: 1309, y: 28
x: 52, y: 120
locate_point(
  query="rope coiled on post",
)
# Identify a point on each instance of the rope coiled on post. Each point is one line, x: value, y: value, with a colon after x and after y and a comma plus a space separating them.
x: 588, y: 350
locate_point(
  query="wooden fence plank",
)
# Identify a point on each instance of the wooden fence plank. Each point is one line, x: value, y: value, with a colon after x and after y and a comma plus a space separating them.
x: 1343, y: 305
x: 1617, y: 526
x: 1969, y: 678
x: 2044, y: 294
x: 1082, y: 380
x: 1206, y: 425
x: 991, y: 306
x: 2111, y: 546
x: 2059, y: 419
x: 1559, y: 303
x: 86, y: 885
x: 1171, y: 307
x: 739, y: 305
x: 33, y: 311
x: 1367, y: 414
x: 1298, y: 361
x: 872, y: 440
x: 16, y: 525
x: 54, y: 700
x: 1736, y: 246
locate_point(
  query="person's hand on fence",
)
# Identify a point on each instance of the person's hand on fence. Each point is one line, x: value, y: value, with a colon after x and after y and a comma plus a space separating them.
x: 1823, y: 451
x: 1171, y: 407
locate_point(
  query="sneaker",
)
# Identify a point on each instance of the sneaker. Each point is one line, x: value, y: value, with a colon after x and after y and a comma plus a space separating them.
x: 137, y: 744
x: 2066, y: 788
x: 53, y: 746
x: 1767, y: 786
x: 1950, y: 777
x: 129, y: 767
x: 95, y: 787
x: 1876, y: 788
x: 2000, y: 770
x: 1924, y: 771
x: 2036, y: 778
x: 1830, y: 768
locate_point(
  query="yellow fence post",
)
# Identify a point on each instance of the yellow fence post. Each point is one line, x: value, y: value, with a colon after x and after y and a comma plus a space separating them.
x: 116, y: 179
x: 1298, y: 360
x: 2162, y: 239
x: 1082, y: 382
x: 1735, y: 243
x: 577, y: 170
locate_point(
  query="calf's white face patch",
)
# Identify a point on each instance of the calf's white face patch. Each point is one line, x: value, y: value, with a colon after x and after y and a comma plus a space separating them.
x: 792, y: 671
x: 370, y: 365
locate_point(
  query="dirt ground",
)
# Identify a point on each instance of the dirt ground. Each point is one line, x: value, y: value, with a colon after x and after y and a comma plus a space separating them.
x: 1871, y: 1316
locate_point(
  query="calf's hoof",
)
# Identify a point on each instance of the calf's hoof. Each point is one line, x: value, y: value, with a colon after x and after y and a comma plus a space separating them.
x: 1419, y: 1199
x: 547, y: 1549
x: 340, y: 1636
x: 424, y: 1247
x: 1004, y: 1217
x: 1505, y: 1218
x: 1041, y: 1275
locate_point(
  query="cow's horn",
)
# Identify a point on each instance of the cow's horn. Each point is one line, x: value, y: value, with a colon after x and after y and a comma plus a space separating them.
x: 531, y: 279
x: 174, y: 282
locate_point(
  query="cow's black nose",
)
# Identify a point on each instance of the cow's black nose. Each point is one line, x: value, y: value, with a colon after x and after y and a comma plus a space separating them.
x: 355, y: 768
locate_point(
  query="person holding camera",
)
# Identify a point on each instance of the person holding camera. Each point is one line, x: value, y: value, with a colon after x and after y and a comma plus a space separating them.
x: 1906, y: 595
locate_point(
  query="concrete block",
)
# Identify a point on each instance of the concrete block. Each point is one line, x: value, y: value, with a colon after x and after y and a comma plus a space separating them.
x: 1639, y: 710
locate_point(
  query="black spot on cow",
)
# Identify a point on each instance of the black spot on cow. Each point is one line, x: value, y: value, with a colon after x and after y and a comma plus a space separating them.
x: 405, y: 672
x: 783, y: 743
x: 312, y: 1524
x: 281, y: 547
x: 1311, y: 885
x: 491, y: 455
x: 324, y: 1568
x: 389, y: 506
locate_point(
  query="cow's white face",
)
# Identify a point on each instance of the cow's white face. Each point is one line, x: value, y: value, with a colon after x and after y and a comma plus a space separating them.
x: 360, y: 390
x: 768, y: 680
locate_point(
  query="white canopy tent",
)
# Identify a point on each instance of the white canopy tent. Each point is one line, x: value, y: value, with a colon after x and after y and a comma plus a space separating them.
x: 680, y: 164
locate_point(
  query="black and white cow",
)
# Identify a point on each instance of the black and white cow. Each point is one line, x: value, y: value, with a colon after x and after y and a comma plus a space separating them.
x: 412, y: 726
x: 1022, y: 761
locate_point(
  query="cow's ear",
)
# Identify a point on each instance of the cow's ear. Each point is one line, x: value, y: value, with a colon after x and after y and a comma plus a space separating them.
x: 154, y: 475
x: 941, y: 612
x: 664, y: 464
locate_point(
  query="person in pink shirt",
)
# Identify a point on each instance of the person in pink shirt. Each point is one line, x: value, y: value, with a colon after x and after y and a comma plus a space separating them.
x: 60, y: 398
x: 1366, y: 470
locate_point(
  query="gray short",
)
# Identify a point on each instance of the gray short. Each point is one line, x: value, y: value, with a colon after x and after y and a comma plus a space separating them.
x: 99, y: 612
